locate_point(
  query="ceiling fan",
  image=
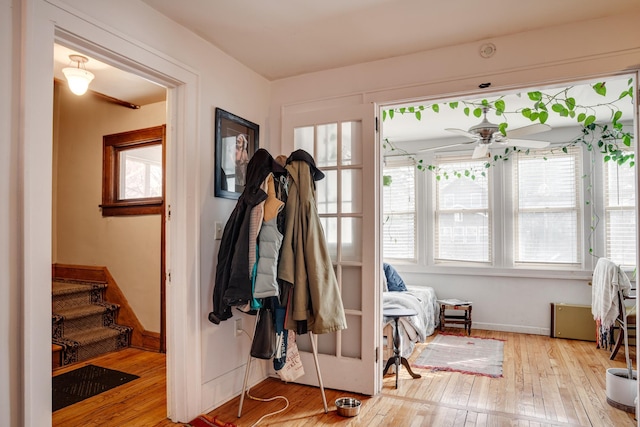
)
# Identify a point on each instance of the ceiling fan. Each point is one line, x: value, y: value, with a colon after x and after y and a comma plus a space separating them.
x: 487, y: 134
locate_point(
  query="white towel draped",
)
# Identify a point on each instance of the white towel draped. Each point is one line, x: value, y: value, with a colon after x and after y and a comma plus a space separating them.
x: 608, y: 279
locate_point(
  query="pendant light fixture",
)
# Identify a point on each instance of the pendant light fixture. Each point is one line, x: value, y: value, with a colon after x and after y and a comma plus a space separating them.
x: 78, y: 77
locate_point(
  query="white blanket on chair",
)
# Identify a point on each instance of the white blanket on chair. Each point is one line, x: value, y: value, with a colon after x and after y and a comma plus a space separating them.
x: 413, y: 329
x: 608, y: 279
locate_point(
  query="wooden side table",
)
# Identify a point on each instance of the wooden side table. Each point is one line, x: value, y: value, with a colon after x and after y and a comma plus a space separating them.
x: 397, y: 359
x: 462, y: 316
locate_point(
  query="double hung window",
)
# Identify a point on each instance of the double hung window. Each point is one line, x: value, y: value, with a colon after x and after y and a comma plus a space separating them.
x: 399, y: 211
x: 620, y: 213
x: 462, y: 226
x: 547, y: 207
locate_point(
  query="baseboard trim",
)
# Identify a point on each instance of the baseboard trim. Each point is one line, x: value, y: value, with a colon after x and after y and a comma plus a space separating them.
x: 151, y: 341
x: 510, y: 328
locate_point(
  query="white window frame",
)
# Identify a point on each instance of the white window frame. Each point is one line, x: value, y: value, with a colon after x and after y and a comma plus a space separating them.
x: 437, y: 210
x: 578, y: 207
x: 401, y: 162
x: 608, y: 208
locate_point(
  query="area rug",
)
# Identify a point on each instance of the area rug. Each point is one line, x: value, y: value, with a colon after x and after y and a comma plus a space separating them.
x: 82, y: 383
x: 468, y: 355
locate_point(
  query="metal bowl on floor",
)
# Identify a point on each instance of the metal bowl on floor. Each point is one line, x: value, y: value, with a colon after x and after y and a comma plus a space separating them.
x: 348, y: 406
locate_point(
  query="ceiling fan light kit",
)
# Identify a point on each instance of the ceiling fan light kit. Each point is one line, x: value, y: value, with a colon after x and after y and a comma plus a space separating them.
x: 486, y: 133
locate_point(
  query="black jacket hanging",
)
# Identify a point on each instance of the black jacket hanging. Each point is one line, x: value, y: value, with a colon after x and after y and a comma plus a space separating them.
x: 233, y: 280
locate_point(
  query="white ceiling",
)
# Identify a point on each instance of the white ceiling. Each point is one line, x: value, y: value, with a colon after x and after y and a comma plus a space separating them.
x: 284, y: 38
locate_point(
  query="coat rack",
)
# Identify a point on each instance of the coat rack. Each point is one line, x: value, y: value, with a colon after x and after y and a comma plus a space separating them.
x: 314, y: 348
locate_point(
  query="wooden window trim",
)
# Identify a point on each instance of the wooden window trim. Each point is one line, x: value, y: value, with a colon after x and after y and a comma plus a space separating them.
x: 112, y: 145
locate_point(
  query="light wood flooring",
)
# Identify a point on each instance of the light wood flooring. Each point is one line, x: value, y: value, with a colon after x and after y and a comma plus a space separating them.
x: 546, y: 382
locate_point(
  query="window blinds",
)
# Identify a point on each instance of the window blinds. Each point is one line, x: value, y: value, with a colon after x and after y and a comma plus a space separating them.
x: 462, y: 226
x: 547, y: 207
x: 620, y: 217
x: 399, y: 211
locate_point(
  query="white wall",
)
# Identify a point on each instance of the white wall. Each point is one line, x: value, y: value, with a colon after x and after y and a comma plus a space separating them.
x: 143, y: 36
x: 10, y: 274
x: 577, y: 51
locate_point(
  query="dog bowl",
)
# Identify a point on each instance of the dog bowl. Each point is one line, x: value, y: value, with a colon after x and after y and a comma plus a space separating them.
x: 348, y: 406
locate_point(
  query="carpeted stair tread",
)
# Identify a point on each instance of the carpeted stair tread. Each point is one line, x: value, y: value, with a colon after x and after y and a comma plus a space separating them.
x: 92, y: 335
x: 72, y: 293
x: 83, y: 323
x: 84, y: 310
x: 66, y: 287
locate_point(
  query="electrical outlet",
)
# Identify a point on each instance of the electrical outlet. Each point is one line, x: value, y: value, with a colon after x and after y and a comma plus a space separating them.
x: 238, y: 324
x: 218, y: 230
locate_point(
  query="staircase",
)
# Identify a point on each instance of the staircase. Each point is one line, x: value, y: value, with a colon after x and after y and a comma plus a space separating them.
x: 83, y: 324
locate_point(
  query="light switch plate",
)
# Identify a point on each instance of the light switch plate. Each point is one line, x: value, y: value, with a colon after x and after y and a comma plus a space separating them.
x: 218, y: 230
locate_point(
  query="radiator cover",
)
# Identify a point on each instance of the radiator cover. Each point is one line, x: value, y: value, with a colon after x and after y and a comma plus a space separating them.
x: 572, y: 322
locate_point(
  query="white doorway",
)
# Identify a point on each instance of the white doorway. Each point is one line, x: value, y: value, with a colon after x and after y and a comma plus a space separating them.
x: 129, y: 243
x: 183, y: 368
x: 496, y: 278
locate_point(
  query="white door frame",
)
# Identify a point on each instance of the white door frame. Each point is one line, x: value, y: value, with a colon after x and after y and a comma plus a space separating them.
x: 43, y: 24
x: 363, y: 374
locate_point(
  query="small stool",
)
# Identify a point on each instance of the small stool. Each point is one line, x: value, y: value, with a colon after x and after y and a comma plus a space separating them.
x: 397, y: 359
x: 460, y: 319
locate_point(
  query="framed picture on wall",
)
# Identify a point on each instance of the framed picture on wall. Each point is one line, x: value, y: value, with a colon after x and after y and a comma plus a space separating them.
x: 236, y: 141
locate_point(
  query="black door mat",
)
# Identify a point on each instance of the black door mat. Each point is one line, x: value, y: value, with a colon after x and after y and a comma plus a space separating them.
x: 82, y: 383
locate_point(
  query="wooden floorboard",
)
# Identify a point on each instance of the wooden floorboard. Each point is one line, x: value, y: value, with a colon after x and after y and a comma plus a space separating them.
x: 546, y: 382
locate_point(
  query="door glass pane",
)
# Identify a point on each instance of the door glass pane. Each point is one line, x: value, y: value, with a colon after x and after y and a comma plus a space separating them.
x: 327, y: 193
x: 351, y: 241
x: 352, y: 337
x: 352, y: 288
x: 327, y: 343
x: 327, y: 145
x: 330, y: 226
x: 351, y: 147
x: 352, y: 191
x: 303, y: 139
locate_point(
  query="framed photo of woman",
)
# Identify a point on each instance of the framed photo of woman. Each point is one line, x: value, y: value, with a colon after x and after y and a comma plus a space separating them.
x: 236, y: 141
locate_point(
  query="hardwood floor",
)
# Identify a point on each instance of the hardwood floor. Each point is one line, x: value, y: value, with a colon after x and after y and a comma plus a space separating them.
x: 546, y: 382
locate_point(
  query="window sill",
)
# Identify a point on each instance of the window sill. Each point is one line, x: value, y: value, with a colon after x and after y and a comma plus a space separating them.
x: 150, y: 207
x: 516, y: 272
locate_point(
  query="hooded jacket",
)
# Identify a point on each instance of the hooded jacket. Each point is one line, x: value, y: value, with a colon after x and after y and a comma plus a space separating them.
x: 304, y: 258
x: 232, y: 284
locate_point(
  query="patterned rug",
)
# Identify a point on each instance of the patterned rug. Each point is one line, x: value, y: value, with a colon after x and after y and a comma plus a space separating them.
x: 82, y: 383
x: 468, y: 355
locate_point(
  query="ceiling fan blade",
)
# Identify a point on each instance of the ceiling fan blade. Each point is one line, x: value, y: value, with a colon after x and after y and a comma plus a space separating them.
x: 480, y: 151
x: 526, y: 143
x: 528, y: 130
x: 463, y: 133
x: 444, y: 146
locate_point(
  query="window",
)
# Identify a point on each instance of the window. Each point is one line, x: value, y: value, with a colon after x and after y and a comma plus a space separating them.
x: 620, y: 212
x: 547, y: 207
x: 516, y: 209
x: 462, y: 216
x: 399, y: 211
x: 132, y: 174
